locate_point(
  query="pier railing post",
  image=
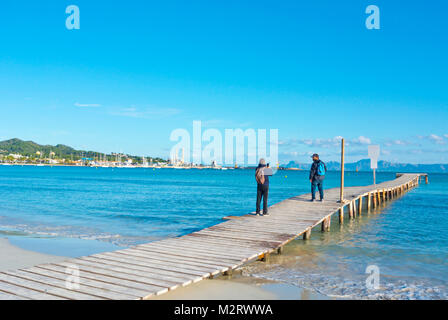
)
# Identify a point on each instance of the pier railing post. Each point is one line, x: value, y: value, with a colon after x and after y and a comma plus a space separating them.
x: 342, y: 170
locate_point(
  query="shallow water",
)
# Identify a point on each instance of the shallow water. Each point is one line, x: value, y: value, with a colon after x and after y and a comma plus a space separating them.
x: 407, y: 240
x: 130, y: 206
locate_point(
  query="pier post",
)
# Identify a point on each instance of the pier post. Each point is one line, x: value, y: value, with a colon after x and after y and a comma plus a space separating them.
x: 326, y: 224
x: 350, y: 210
x: 341, y: 196
x: 360, y: 205
x: 265, y: 257
x: 280, y: 250
x: 341, y: 214
x: 228, y: 273
x: 426, y: 179
x: 384, y: 195
x: 369, y: 201
x: 307, y: 234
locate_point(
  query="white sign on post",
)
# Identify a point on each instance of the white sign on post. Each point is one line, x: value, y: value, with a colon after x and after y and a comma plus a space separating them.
x: 374, y: 153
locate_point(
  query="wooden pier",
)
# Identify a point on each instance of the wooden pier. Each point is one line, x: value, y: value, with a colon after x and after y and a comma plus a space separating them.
x: 143, y: 271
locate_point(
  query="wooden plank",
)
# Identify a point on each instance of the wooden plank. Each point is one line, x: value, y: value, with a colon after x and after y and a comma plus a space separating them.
x: 26, y: 293
x: 230, y: 236
x: 247, y: 236
x: 10, y: 296
x: 100, y: 269
x: 212, y: 247
x: 88, y: 273
x: 164, y: 257
x: 81, y: 288
x: 126, y: 272
x: 191, y: 252
x: 186, y: 243
x: 256, y: 245
x: 258, y: 229
x: 44, y: 288
x: 219, y: 246
x: 135, y: 292
x: 186, y: 255
x: 250, y: 247
x: 198, y: 267
x: 164, y: 270
x: 209, y: 252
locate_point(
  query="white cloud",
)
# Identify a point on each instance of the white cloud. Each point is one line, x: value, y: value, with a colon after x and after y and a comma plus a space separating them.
x: 437, y: 139
x: 362, y: 140
x: 87, y: 105
x: 133, y: 112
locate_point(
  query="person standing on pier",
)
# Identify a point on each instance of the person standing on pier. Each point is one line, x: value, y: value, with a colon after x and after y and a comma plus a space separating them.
x: 317, y: 176
x: 262, y: 187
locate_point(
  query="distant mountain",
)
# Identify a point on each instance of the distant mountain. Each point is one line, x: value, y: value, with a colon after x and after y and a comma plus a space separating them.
x: 383, y: 166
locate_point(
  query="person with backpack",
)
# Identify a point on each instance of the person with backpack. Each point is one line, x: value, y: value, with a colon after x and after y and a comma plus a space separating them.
x: 262, y: 188
x: 317, y: 176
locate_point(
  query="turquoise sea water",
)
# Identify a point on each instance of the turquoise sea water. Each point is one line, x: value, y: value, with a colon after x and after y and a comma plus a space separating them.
x: 42, y: 207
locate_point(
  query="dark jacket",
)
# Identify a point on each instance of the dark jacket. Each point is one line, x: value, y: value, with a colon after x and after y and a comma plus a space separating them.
x: 266, y: 178
x: 313, y: 171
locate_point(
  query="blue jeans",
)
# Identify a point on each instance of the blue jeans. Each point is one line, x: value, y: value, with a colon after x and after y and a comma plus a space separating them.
x: 262, y: 192
x: 317, y: 183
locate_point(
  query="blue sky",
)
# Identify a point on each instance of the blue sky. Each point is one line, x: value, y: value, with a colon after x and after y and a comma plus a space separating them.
x: 137, y: 70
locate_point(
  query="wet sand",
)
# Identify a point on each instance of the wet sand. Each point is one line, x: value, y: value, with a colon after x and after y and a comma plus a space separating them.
x: 13, y: 257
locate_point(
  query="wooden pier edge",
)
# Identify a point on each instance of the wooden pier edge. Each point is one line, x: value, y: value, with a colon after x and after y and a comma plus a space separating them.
x: 151, y: 269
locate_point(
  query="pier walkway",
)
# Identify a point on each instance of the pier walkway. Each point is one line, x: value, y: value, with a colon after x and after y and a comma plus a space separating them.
x: 155, y: 268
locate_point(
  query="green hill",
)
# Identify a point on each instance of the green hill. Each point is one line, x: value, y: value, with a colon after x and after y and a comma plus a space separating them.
x: 29, y: 149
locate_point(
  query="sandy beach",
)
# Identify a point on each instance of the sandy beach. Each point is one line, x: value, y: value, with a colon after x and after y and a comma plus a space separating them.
x: 14, y: 257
